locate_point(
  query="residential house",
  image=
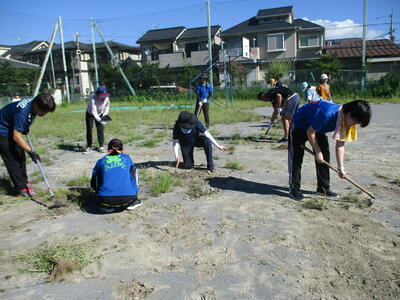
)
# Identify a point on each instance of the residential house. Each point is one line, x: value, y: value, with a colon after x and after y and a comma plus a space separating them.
x: 80, y: 62
x: 179, y: 46
x: 18, y: 52
x: 382, y: 56
x: 273, y: 34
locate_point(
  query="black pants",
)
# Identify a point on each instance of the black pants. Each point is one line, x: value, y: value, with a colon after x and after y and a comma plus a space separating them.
x: 297, y: 138
x: 188, y: 148
x: 205, y: 108
x: 89, y: 128
x: 15, y: 162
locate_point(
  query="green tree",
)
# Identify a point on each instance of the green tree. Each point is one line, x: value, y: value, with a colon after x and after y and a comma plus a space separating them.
x: 277, y: 69
x: 328, y: 64
x: 239, y: 73
x: 14, y: 80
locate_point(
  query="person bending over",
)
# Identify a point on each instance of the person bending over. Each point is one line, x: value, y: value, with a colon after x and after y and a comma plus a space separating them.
x: 311, y: 122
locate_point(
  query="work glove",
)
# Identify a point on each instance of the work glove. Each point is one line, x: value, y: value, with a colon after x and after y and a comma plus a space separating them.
x: 103, y: 123
x: 35, y: 157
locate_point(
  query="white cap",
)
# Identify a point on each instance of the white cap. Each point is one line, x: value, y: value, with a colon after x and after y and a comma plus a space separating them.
x: 324, y: 76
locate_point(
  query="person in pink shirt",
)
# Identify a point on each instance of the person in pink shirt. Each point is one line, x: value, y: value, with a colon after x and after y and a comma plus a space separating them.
x: 97, y: 109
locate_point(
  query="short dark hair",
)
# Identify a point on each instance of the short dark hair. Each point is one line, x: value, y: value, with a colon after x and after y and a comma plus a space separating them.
x: 45, y: 102
x: 360, y: 111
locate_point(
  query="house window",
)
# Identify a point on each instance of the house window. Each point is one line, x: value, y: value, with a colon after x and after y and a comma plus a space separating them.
x: 276, y: 42
x: 310, y: 41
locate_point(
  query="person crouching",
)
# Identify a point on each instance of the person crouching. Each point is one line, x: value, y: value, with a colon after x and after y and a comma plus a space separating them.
x: 115, y: 179
x: 188, y: 133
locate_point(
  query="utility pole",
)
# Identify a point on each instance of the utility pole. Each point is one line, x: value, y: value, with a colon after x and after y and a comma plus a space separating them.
x: 96, y: 83
x: 209, y: 44
x: 52, y: 70
x: 78, y: 59
x: 64, y: 61
x: 364, y: 46
x: 114, y: 59
x: 391, y: 27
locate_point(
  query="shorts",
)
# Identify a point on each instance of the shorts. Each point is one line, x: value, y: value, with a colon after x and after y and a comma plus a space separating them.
x: 293, y: 103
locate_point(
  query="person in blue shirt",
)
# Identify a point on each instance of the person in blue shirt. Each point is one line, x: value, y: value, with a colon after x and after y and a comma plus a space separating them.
x: 188, y: 133
x: 115, y: 179
x: 15, y: 120
x: 311, y: 122
x: 204, y: 92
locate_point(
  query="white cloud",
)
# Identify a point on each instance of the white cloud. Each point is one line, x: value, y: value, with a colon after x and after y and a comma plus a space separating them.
x: 345, y: 29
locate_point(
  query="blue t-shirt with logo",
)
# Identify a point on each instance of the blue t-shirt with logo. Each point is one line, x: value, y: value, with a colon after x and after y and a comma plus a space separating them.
x: 320, y: 115
x: 204, y: 91
x: 113, y: 176
x: 188, y: 136
x: 16, y: 115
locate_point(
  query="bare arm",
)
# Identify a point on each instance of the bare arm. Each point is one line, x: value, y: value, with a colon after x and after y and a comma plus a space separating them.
x: 313, y: 141
x: 20, y: 141
x: 340, y: 158
x: 276, y: 107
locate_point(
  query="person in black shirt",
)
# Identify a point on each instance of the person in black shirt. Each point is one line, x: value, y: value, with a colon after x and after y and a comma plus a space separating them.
x: 285, y: 102
x: 188, y: 133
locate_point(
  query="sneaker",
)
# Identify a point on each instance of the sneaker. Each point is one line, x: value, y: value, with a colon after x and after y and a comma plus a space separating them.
x: 326, y: 192
x: 283, y: 140
x: 212, y: 171
x: 134, y: 204
x: 296, y: 195
x: 102, y: 150
x: 88, y: 150
x: 26, y: 192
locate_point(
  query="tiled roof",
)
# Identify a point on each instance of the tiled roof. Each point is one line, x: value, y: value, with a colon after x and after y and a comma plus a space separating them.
x: 17, y: 64
x: 304, y: 24
x: 253, y: 25
x: 348, y: 48
x: 161, y: 34
x: 199, y: 32
x: 71, y: 45
x: 275, y: 11
x: 23, y: 48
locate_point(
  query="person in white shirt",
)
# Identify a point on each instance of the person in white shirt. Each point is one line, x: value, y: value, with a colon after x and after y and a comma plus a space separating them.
x: 16, y: 98
x: 310, y: 93
x: 97, y: 109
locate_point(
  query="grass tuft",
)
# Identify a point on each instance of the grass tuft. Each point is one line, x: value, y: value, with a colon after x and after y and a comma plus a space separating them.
x: 162, y: 183
x: 57, y: 259
x: 149, y: 143
x: 318, y: 204
x: 234, y: 165
x: 79, y: 181
x: 357, y: 200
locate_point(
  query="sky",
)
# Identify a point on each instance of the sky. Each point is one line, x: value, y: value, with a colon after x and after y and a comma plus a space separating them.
x: 125, y: 21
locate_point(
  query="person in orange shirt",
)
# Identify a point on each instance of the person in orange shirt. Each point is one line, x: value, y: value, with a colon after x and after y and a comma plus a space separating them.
x: 323, y: 89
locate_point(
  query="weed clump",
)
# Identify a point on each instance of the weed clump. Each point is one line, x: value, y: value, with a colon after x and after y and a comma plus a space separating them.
x: 79, y: 181
x: 58, y: 260
x: 162, y: 183
x: 357, y: 200
x: 149, y: 143
x: 318, y: 204
x: 234, y: 165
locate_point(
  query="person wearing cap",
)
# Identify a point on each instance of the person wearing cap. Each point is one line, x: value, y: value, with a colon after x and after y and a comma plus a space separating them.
x: 16, y: 98
x: 323, y: 89
x: 115, y: 179
x: 15, y: 120
x: 285, y: 102
x: 98, y: 108
x: 188, y: 133
x: 310, y: 93
x: 312, y: 122
x: 204, y: 92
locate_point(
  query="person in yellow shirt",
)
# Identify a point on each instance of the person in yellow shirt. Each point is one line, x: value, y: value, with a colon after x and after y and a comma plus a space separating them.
x: 323, y: 89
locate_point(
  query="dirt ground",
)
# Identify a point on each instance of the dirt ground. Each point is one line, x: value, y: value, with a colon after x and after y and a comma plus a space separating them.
x: 234, y: 234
